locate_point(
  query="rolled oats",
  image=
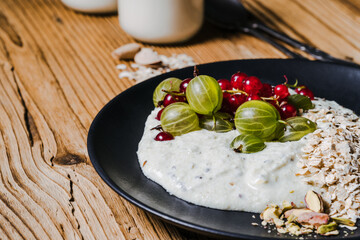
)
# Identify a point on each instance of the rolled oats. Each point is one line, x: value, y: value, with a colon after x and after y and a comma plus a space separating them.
x: 331, y: 160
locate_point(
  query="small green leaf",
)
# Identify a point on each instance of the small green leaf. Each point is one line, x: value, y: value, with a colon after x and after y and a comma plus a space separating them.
x: 219, y: 123
x: 296, y: 128
x: 245, y: 143
x: 300, y: 101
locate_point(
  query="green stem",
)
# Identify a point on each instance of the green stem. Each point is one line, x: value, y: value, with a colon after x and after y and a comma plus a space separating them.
x: 214, y: 119
x: 235, y: 91
x: 174, y: 93
x: 295, y: 85
x: 286, y: 123
x: 269, y: 98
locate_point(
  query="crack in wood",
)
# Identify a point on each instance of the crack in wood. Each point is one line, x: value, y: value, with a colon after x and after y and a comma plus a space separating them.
x: 65, y: 158
x: 51, y: 161
x: 71, y: 190
x: 30, y: 125
x: 71, y: 200
x: 9, y: 30
x: 62, y: 229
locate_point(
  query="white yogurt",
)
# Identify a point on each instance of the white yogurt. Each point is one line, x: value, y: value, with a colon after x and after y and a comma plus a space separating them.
x: 201, y: 168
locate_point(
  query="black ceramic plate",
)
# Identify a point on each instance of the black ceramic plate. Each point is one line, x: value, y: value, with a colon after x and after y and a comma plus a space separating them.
x: 115, y: 132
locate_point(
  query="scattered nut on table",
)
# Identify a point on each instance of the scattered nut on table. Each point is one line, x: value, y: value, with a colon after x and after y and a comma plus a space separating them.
x: 147, y: 57
x: 126, y: 51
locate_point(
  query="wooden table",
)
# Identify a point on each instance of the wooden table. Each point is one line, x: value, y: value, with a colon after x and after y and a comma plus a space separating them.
x: 56, y: 73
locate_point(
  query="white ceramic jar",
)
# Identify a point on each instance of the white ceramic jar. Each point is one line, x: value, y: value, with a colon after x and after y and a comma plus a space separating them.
x: 161, y: 21
x: 92, y: 6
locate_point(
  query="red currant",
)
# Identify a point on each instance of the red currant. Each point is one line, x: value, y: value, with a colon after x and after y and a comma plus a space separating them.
x: 253, y: 97
x: 266, y: 90
x: 281, y: 91
x: 226, y: 96
x: 252, y: 85
x: 307, y: 92
x: 299, y: 88
x: 184, y: 84
x: 287, y: 110
x: 163, y: 136
x: 225, y: 107
x: 169, y: 99
x: 224, y: 84
x: 275, y: 104
x: 235, y: 101
x: 237, y: 79
x: 158, y: 116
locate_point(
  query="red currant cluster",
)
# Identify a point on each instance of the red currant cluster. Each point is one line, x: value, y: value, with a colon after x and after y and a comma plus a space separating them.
x: 242, y: 88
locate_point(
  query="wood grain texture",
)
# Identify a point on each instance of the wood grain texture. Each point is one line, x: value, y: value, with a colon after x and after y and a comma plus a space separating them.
x: 56, y: 73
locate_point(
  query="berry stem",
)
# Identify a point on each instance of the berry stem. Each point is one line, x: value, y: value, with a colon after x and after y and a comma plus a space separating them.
x: 158, y: 127
x: 214, y: 119
x: 286, y: 80
x: 174, y: 93
x: 286, y: 123
x: 235, y: 91
x: 295, y: 85
x: 196, y: 71
x: 270, y: 98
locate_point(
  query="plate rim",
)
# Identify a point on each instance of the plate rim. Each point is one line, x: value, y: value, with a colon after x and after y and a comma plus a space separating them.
x: 166, y: 217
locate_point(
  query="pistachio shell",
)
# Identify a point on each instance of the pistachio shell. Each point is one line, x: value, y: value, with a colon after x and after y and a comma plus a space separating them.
x: 272, y: 214
x: 323, y: 229
x: 126, y: 51
x: 343, y: 221
x: 314, y: 201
